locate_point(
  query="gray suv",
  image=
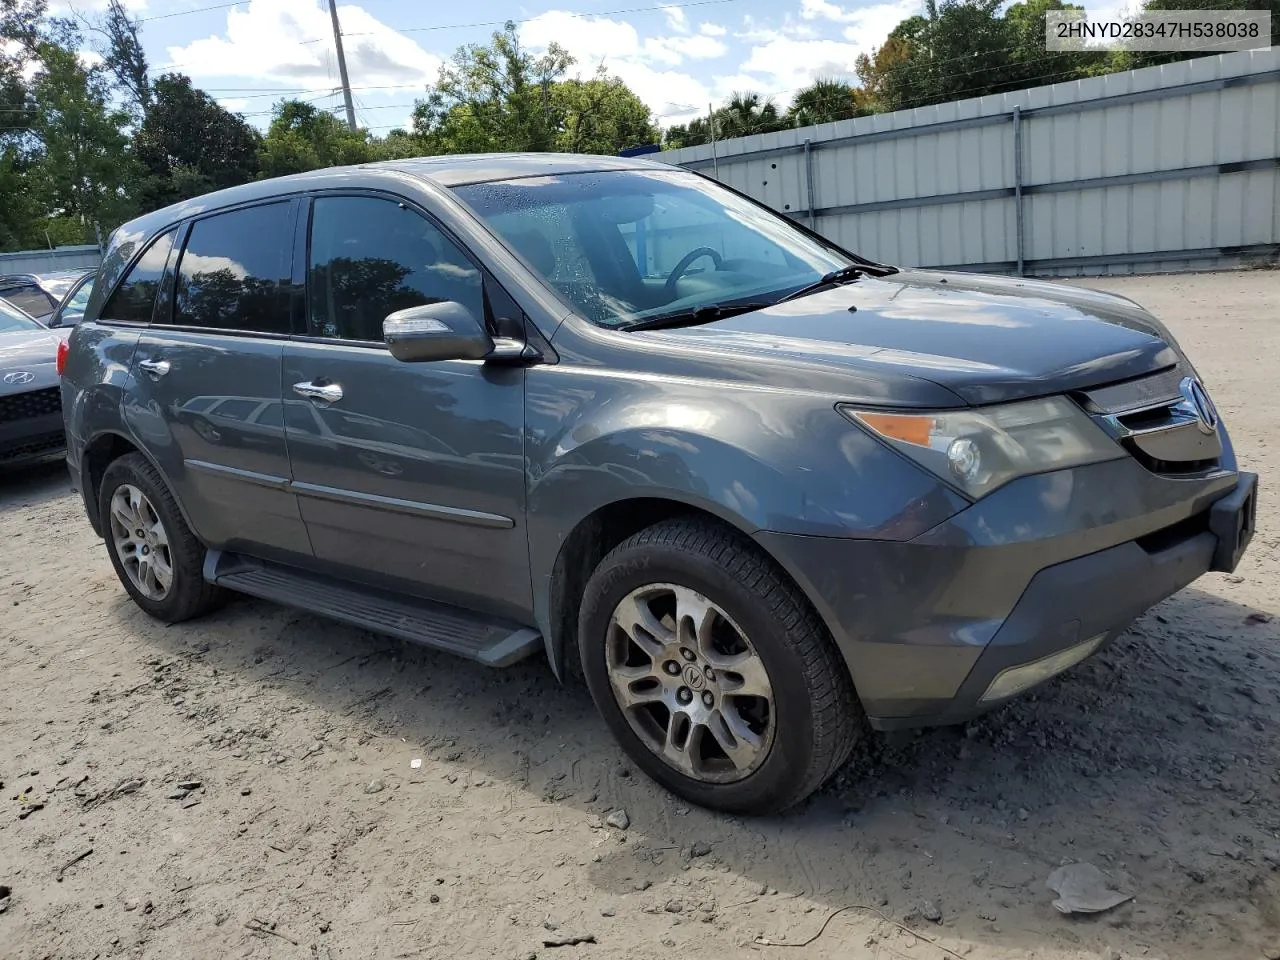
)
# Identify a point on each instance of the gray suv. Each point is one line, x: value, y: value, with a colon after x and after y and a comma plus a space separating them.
x: 756, y: 489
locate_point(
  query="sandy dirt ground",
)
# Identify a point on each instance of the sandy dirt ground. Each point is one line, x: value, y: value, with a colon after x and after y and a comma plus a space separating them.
x: 313, y: 834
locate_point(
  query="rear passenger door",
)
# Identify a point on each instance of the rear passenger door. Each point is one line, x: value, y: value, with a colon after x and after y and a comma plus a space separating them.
x: 410, y: 475
x: 208, y: 369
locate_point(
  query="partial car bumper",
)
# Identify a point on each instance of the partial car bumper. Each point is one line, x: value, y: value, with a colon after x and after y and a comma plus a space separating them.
x: 32, y: 439
x: 1016, y: 588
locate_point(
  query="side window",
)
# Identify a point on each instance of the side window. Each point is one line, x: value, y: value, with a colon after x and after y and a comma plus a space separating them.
x: 234, y: 271
x: 135, y: 298
x: 371, y: 257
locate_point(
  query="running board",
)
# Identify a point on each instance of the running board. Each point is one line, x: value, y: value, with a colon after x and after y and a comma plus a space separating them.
x: 436, y: 625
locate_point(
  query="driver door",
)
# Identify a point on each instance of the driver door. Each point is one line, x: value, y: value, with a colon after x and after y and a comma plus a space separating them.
x: 410, y: 476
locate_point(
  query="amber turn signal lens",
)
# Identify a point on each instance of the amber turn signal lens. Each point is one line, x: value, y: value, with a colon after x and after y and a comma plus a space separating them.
x: 908, y: 429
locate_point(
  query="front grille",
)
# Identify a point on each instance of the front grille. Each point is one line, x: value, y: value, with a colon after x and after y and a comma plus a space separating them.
x: 1176, y: 468
x: 1155, y: 423
x: 34, y: 403
x: 1136, y: 394
x: 32, y: 446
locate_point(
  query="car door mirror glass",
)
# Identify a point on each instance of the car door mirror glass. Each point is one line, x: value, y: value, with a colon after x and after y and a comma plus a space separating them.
x: 445, y: 330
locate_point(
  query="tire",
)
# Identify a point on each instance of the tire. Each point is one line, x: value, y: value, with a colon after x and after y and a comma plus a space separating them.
x: 187, y: 594
x: 784, y: 745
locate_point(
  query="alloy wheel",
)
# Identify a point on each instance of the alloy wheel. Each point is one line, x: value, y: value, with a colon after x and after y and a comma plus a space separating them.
x: 690, y: 683
x: 141, y: 542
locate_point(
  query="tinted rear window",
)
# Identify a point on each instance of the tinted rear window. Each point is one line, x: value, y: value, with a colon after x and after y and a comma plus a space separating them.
x: 31, y: 299
x: 234, y: 271
x: 135, y: 298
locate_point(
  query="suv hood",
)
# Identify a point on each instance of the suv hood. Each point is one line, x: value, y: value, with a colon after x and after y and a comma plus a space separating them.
x: 984, y: 339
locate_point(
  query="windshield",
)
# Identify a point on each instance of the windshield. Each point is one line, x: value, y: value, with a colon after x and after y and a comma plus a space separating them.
x: 12, y: 319
x: 80, y: 298
x: 623, y: 247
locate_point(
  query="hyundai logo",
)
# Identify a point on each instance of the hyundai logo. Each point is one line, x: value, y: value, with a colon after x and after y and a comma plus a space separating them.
x: 19, y: 376
x: 1194, y: 393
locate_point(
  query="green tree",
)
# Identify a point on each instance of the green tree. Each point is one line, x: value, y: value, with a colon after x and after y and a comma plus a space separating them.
x: 692, y: 134
x: 1132, y: 59
x: 84, y: 169
x: 125, y: 58
x: 600, y: 115
x: 500, y: 97
x: 968, y: 48
x: 496, y: 97
x: 745, y: 113
x: 826, y: 100
x: 397, y: 145
x: 304, y: 137
x: 741, y: 115
x: 189, y: 145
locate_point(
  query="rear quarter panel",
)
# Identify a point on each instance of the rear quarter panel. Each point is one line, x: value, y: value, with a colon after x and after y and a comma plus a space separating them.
x: 93, y: 385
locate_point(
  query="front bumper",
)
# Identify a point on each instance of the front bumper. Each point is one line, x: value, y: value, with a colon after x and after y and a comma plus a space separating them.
x: 1041, y: 566
x: 32, y: 440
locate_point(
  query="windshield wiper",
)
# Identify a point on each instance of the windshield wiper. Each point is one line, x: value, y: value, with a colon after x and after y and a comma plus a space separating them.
x: 703, y: 314
x: 833, y: 279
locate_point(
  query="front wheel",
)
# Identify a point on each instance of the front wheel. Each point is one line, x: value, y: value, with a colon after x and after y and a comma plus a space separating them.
x: 713, y: 671
x: 155, y: 554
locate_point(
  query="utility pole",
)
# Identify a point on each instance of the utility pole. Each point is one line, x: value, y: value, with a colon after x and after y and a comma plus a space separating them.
x: 342, y: 64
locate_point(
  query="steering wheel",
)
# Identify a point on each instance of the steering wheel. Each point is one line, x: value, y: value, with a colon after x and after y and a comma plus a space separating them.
x: 685, y: 262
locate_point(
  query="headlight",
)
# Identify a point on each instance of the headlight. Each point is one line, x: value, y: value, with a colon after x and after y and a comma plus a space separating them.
x: 981, y: 449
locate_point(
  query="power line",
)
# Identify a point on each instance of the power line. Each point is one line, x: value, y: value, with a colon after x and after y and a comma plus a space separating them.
x: 187, y: 13
x: 576, y: 15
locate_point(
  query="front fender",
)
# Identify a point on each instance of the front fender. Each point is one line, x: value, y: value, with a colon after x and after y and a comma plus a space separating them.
x: 756, y: 457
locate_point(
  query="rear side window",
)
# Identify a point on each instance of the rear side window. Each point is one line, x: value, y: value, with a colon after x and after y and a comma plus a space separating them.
x: 31, y: 299
x: 234, y: 271
x: 371, y: 257
x: 135, y: 298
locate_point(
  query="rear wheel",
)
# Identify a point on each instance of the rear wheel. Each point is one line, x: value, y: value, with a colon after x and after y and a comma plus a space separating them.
x: 155, y: 554
x: 712, y: 669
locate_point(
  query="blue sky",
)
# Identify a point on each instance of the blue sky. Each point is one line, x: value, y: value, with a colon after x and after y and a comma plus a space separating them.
x: 678, y: 58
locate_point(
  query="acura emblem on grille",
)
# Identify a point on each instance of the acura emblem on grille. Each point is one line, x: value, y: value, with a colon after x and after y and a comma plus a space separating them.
x: 19, y: 376
x: 1194, y: 393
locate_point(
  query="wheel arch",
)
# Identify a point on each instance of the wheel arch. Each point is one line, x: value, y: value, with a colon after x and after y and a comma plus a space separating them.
x: 99, y: 453
x: 596, y: 534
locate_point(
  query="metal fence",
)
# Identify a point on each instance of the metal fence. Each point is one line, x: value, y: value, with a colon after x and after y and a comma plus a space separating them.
x: 50, y: 261
x: 1174, y: 167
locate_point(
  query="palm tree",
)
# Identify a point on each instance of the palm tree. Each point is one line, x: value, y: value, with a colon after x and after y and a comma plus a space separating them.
x: 824, y: 101
x: 746, y: 113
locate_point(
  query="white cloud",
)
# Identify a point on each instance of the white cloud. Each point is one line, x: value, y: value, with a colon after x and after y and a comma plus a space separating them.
x: 790, y: 63
x: 292, y: 41
x: 673, y: 96
x: 676, y: 19
x: 797, y: 53
x: 89, y: 58
x: 868, y: 26
x: 712, y: 30
x: 674, y: 50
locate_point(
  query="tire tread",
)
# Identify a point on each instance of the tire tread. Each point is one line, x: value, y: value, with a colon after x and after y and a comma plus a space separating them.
x: 193, y: 595
x: 837, y: 725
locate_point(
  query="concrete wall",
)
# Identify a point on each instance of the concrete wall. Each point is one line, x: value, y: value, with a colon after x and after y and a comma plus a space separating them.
x: 1167, y: 168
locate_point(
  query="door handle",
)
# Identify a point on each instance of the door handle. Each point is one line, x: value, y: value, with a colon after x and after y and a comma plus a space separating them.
x: 328, y: 392
x: 155, y: 369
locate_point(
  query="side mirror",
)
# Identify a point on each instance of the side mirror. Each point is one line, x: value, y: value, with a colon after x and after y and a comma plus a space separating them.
x: 436, y: 331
